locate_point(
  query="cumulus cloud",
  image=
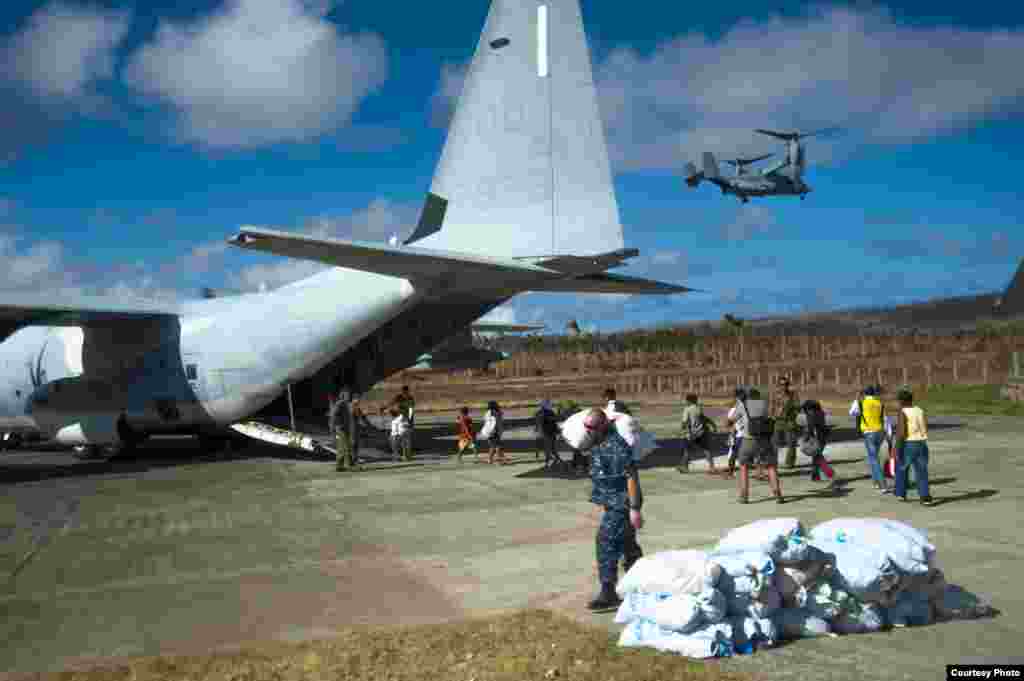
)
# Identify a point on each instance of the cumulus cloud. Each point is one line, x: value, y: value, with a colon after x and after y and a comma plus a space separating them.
x: 996, y: 248
x: 47, y: 267
x: 259, y: 72
x: 378, y: 221
x: 855, y: 68
x: 52, y: 68
x: 64, y: 49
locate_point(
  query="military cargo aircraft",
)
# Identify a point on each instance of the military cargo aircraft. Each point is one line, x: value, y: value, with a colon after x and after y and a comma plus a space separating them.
x: 521, y: 200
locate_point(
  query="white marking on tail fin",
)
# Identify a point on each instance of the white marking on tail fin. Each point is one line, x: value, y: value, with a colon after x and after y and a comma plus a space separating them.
x: 519, y: 145
x: 542, y: 41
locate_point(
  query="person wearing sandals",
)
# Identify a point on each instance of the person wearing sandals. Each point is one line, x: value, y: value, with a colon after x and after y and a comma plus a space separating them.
x: 911, y: 448
x: 757, y: 445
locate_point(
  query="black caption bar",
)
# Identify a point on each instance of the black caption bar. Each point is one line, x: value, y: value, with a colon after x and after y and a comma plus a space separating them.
x: 961, y: 672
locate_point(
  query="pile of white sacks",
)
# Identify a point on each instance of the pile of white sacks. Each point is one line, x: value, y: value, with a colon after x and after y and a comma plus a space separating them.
x: 769, y: 581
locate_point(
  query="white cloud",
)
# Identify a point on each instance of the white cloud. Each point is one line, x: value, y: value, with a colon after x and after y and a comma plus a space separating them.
x: 259, y: 72
x: 859, y: 69
x: 65, y: 49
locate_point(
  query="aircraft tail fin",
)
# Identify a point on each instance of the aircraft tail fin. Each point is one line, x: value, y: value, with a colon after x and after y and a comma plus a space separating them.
x: 525, y: 171
x: 710, y: 166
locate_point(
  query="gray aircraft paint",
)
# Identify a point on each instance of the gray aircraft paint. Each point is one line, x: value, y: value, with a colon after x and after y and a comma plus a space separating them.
x: 524, y: 172
x: 525, y: 148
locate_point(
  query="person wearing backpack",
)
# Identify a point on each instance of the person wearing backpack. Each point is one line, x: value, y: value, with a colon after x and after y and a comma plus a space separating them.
x: 696, y: 435
x: 546, y: 426
x: 757, y: 430
x: 870, y: 413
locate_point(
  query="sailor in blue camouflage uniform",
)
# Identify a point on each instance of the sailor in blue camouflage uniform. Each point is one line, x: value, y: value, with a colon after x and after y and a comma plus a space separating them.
x: 617, y: 490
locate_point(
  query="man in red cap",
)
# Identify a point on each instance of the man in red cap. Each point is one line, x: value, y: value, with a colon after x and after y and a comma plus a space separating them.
x: 617, y: 490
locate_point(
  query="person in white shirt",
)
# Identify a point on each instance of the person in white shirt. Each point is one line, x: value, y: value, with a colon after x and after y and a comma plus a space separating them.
x: 738, y: 418
x: 401, y: 444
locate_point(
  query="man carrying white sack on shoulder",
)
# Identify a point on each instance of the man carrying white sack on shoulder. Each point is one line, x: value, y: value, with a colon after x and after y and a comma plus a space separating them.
x: 616, y: 488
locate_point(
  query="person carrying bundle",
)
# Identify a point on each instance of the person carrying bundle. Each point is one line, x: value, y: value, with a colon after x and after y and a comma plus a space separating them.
x: 813, y: 441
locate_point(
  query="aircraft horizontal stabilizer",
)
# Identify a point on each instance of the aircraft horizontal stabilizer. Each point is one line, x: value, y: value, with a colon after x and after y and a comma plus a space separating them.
x: 26, y: 309
x: 604, y: 282
x: 406, y: 262
x: 476, y: 271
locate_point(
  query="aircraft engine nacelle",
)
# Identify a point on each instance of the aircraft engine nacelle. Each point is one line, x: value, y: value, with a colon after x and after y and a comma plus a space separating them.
x: 74, y: 411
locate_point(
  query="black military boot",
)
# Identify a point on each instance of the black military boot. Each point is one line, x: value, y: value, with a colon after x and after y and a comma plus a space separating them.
x: 605, y: 600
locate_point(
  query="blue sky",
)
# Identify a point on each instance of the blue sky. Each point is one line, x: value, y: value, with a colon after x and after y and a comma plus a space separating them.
x: 136, y: 137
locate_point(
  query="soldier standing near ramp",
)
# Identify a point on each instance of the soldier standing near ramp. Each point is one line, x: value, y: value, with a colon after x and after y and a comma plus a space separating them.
x: 340, y: 422
x: 617, y: 490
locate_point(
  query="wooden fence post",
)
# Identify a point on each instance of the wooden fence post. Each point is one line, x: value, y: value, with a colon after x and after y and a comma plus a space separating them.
x: 878, y: 371
x: 956, y: 371
x: 984, y: 370
x: 928, y: 374
x: 837, y: 378
x: 906, y: 373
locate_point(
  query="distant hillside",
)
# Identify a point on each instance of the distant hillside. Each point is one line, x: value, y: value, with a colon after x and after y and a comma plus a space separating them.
x: 945, y: 316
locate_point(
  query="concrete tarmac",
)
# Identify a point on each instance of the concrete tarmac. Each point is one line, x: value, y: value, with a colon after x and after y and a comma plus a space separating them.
x: 181, y: 551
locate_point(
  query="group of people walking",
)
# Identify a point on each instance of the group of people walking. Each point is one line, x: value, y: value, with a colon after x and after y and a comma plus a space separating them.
x: 759, y: 431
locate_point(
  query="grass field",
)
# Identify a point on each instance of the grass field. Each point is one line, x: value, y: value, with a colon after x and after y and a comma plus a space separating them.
x: 968, y: 400
x: 532, y: 644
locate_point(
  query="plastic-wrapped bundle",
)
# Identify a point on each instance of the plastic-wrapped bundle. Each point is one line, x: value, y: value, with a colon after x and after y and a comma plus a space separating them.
x: 864, y: 571
x: 749, y: 632
x: 869, y: 617
x: 642, y: 442
x: 911, y: 608
x: 743, y: 563
x: 764, y: 604
x: 713, y: 641
x: 675, y: 572
x: 827, y: 601
x: 639, y: 604
x: 956, y: 603
x: 782, y: 538
x: 576, y: 434
x: 908, y: 548
x: 932, y: 583
x: 799, y: 623
x: 713, y: 605
x: 679, y: 613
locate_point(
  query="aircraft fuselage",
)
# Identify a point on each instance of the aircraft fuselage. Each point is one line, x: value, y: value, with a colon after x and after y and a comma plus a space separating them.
x: 219, y: 362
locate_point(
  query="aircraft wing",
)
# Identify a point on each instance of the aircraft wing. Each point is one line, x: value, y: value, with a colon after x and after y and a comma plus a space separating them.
x: 34, y: 309
x: 488, y: 327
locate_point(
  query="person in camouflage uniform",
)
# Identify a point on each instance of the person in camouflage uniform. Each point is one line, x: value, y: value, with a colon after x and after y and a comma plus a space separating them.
x: 785, y: 412
x: 616, y: 488
x: 342, y: 425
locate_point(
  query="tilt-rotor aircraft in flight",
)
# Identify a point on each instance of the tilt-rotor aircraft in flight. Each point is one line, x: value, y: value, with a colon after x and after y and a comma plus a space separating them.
x: 521, y: 200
